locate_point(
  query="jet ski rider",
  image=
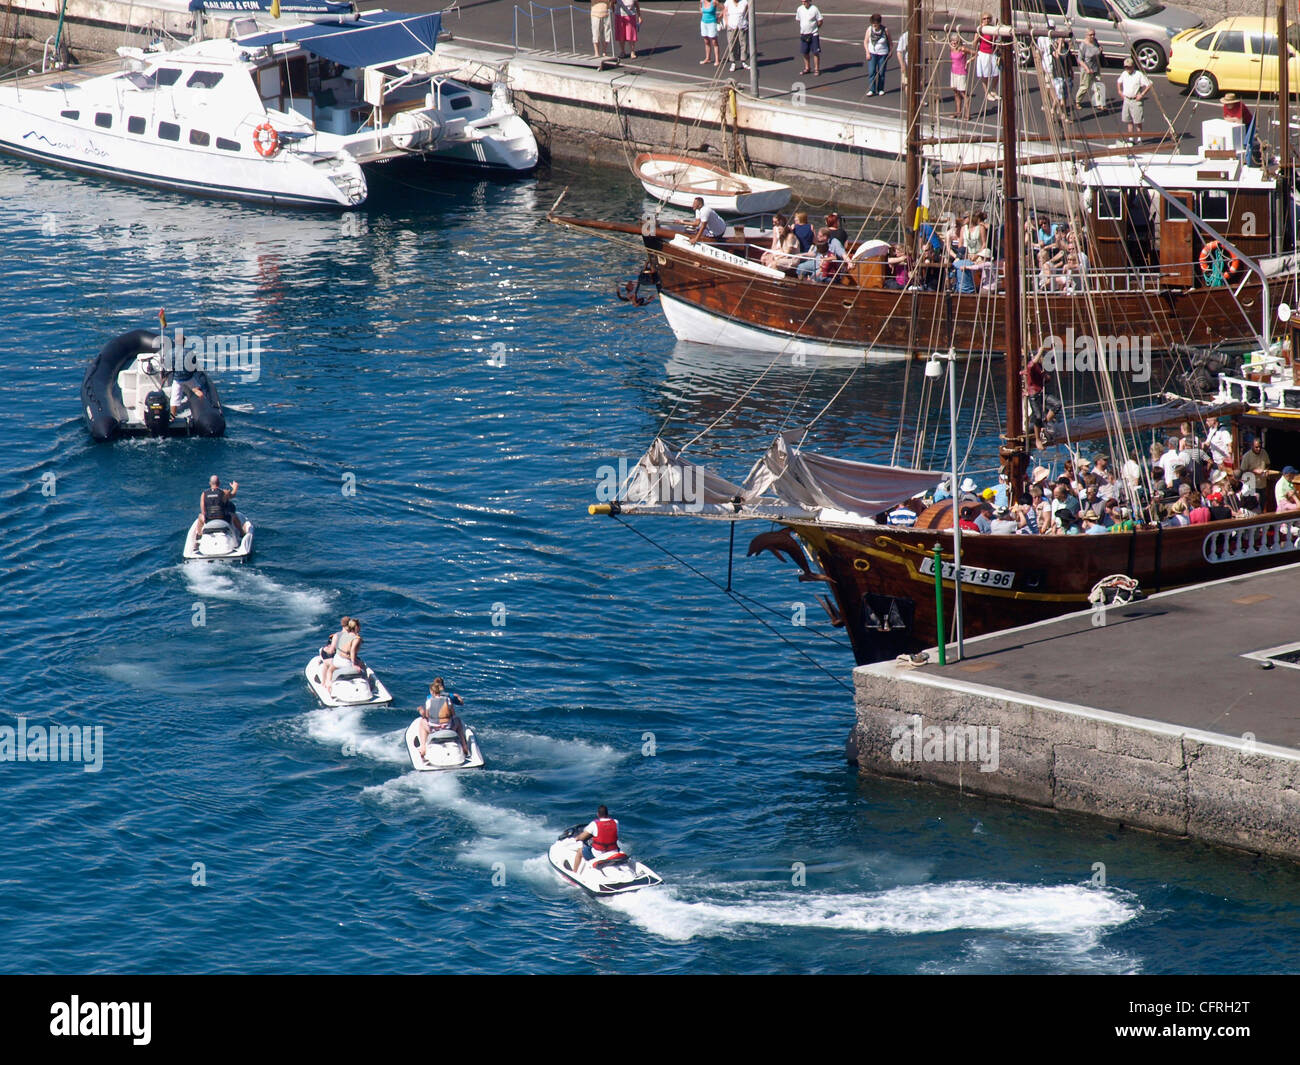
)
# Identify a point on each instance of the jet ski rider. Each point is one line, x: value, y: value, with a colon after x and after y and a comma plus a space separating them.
x: 600, y: 837
x: 216, y: 504
x: 440, y: 703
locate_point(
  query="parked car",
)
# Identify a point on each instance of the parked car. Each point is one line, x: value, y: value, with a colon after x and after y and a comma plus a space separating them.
x: 1236, y: 55
x: 1140, y: 28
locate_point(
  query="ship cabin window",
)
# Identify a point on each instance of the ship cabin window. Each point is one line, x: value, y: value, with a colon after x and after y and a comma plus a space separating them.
x: 135, y: 124
x: 167, y: 75
x: 1110, y: 205
x: 169, y: 131
x: 227, y: 146
x: 104, y: 120
x: 74, y: 115
x: 198, y: 137
x: 1214, y: 206
x: 203, y: 79
x: 458, y: 100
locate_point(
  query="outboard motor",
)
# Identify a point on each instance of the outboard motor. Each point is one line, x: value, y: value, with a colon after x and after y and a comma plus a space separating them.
x: 157, y: 413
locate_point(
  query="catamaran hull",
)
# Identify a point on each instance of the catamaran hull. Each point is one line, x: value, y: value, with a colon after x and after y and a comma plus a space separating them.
x: 287, y: 182
x: 883, y: 578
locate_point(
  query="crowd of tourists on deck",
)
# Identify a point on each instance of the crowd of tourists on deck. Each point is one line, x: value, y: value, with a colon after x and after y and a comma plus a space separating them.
x: 1190, y: 478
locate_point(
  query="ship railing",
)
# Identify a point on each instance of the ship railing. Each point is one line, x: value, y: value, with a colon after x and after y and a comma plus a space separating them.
x: 536, y: 13
x: 1259, y: 394
x: 1273, y: 537
x: 67, y: 76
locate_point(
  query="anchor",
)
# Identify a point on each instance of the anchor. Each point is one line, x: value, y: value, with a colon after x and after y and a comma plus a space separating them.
x: 630, y: 291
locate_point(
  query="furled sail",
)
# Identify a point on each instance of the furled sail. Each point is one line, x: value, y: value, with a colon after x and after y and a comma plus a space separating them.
x: 1155, y: 416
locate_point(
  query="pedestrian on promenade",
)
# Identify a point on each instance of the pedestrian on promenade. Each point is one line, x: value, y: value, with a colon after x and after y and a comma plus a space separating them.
x: 600, y: 28
x: 810, y: 21
x: 1133, y: 87
x: 627, y: 17
x: 901, y: 50
x: 1062, y: 70
x: 735, y: 16
x: 709, y: 32
x: 987, y: 68
x: 1090, y: 74
x: 878, y: 44
x: 959, y: 54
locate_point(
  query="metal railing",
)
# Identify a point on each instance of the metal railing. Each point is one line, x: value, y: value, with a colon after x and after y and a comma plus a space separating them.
x: 536, y: 13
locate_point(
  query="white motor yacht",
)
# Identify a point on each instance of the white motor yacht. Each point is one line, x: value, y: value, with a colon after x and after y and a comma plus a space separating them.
x: 284, y: 115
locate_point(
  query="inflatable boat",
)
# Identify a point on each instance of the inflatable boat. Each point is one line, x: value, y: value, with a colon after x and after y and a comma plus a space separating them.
x: 127, y: 392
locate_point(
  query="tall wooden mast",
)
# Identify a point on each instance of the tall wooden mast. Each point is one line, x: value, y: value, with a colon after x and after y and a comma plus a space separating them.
x: 1014, y: 455
x: 1286, y: 230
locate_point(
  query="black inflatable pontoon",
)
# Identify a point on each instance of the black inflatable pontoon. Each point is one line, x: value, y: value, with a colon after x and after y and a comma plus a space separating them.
x: 145, y: 408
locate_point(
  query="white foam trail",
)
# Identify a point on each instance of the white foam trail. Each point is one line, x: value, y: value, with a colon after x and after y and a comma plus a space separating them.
x: 1066, y: 909
x: 215, y: 580
x: 342, y: 730
x: 501, y: 835
x: 547, y: 752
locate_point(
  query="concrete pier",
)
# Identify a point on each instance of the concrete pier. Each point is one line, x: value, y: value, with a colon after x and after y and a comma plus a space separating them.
x: 1179, y: 714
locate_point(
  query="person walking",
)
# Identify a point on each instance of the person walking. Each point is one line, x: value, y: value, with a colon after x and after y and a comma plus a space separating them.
x: 735, y: 14
x: 600, y: 28
x: 709, y: 31
x: 1133, y: 87
x: 878, y: 45
x: 1090, y: 74
x: 627, y: 19
x: 810, y: 21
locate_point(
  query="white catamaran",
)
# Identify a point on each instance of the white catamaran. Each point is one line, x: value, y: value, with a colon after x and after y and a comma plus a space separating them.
x: 287, y: 115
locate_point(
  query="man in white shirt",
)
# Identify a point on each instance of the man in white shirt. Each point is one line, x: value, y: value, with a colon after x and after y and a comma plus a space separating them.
x: 1133, y: 88
x: 810, y: 43
x: 1218, y: 441
x: 709, y: 224
x: 1172, y: 459
x: 735, y: 17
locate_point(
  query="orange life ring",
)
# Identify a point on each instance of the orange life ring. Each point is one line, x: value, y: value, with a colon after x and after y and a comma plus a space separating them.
x: 1206, y: 260
x: 266, y: 140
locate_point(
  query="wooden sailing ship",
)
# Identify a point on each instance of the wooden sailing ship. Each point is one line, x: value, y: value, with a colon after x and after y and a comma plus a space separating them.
x: 830, y: 512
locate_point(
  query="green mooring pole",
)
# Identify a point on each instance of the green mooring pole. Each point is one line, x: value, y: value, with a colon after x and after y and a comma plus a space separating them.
x: 938, y: 604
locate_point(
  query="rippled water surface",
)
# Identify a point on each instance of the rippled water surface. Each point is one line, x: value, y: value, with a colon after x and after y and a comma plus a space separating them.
x: 465, y: 364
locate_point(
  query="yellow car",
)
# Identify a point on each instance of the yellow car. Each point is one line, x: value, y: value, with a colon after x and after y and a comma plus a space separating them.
x: 1236, y: 55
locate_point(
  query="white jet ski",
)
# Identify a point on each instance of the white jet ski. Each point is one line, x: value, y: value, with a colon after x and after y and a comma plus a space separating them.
x: 348, y: 687
x: 611, y: 873
x: 218, y: 541
x: 443, y: 749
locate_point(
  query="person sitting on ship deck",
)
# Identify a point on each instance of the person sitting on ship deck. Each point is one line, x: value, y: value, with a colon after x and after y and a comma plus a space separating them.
x: 836, y: 228
x: 709, y: 225
x: 784, y: 253
x: 1284, y: 490
x: 824, y: 262
x: 803, y: 230
x: 898, y: 268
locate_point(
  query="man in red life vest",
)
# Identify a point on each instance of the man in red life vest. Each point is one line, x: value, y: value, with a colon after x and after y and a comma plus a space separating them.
x: 598, y: 838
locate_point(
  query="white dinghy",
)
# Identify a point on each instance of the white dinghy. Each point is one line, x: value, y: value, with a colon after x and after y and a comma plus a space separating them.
x: 678, y: 179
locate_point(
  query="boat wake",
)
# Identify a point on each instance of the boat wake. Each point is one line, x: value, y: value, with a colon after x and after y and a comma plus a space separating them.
x: 342, y: 730
x: 248, y: 587
x: 1060, y: 910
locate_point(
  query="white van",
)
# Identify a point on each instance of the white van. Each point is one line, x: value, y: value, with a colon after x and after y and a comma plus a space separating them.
x: 1140, y: 28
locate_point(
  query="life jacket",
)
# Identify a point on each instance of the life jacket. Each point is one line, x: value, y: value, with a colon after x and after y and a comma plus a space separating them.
x: 214, y: 508
x: 606, y: 837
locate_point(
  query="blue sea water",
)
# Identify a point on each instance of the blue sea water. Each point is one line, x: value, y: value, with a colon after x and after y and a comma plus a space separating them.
x: 462, y: 365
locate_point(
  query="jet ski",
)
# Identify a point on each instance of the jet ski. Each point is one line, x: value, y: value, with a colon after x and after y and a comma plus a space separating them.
x: 124, y: 393
x: 218, y: 541
x: 443, y: 749
x: 610, y: 873
x: 348, y: 687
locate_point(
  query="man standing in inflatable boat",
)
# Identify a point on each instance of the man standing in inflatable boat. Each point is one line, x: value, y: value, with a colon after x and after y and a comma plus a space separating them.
x: 598, y: 838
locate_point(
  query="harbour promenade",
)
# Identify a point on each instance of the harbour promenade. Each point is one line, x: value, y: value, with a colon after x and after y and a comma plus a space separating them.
x: 1175, y: 714
x: 824, y: 134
